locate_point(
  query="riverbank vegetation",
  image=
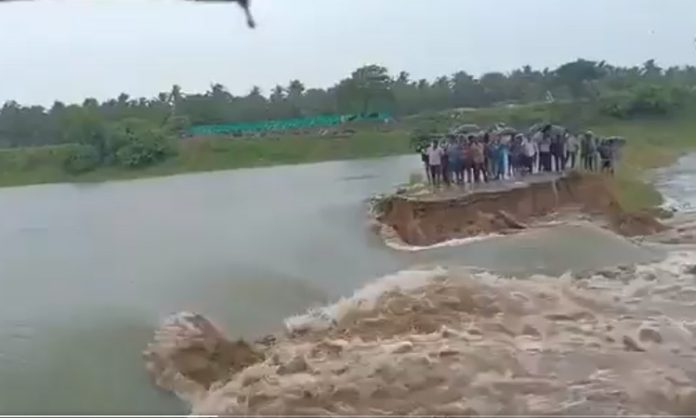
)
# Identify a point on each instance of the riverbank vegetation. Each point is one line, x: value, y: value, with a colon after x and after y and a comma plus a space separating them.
x: 126, y: 137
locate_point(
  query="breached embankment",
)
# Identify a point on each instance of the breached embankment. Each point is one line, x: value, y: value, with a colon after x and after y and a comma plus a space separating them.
x: 618, y: 341
x: 426, y: 218
x: 463, y: 342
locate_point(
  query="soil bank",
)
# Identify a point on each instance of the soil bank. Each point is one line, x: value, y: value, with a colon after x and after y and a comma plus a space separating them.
x: 422, y: 217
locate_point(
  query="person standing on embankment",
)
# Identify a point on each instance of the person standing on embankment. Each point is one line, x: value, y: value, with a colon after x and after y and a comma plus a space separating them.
x: 424, y: 158
x: 479, y: 158
x: 488, y: 157
x: 529, y: 152
x: 456, y: 163
x: 434, y: 162
x: 468, y: 159
x: 514, y: 160
x: 558, y: 152
x: 572, y: 147
x: 545, y: 153
x: 607, y: 155
x: 536, y: 141
x: 502, y: 155
x: 589, y: 151
x: 445, y: 163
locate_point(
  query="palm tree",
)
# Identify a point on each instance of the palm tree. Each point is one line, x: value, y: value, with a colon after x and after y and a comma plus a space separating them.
x: 651, y: 69
x: 295, y: 89
x: 255, y: 91
x: 123, y: 99
x: 404, y: 78
x: 176, y: 94
x: 278, y: 94
x: 219, y: 92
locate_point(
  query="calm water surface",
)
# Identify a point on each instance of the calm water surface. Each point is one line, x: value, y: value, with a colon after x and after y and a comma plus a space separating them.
x: 88, y: 271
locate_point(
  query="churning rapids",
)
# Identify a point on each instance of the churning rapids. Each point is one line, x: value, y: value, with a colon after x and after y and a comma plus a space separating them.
x: 460, y: 343
x: 494, y: 326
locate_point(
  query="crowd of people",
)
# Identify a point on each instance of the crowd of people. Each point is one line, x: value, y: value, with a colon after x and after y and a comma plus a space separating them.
x: 485, y: 156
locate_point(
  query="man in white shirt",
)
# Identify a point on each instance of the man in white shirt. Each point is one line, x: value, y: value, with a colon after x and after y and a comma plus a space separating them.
x: 529, y: 151
x: 572, y: 148
x: 435, y: 162
x: 536, y: 140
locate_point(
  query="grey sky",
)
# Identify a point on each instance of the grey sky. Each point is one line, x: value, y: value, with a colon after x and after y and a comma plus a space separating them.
x: 72, y: 49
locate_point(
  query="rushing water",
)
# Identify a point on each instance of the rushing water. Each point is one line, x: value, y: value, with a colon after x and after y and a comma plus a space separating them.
x: 678, y: 185
x: 88, y: 271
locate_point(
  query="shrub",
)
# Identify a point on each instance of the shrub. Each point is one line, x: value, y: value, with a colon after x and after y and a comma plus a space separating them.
x: 143, y: 149
x: 653, y: 100
x: 81, y: 159
x: 643, y: 100
x: 136, y: 143
x: 177, y: 125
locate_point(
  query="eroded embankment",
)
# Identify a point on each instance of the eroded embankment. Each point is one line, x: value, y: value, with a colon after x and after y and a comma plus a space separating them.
x: 429, y: 218
x: 619, y: 341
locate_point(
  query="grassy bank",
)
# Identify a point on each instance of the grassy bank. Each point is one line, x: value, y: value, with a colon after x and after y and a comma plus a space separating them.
x: 652, y: 143
x: 22, y: 166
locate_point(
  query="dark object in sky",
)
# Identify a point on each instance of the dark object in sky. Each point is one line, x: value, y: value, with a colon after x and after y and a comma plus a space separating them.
x: 244, y: 4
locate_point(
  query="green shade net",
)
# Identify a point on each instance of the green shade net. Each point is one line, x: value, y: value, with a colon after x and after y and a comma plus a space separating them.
x: 323, y: 121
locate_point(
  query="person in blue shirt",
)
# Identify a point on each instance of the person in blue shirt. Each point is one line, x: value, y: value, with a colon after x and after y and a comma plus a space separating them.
x: 502, y: 156
x: 456, y: 163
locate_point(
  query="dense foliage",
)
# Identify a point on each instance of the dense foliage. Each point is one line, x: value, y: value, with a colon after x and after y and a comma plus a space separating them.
x: 81, y: 159
x: 620, y: 92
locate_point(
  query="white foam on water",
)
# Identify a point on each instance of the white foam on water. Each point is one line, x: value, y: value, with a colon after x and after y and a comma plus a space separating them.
x: 673, y: 264
x: 455, y: 242
x: 671, y: 268
x: 398, y: 244
x: 616, y: 341
x: 669, y: 203
x: 677, y: 184
x: 365, y: 298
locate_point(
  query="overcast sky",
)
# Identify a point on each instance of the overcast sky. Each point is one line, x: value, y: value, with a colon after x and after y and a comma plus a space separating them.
x: 72, y: 49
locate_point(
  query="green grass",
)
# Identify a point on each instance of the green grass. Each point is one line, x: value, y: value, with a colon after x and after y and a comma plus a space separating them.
x: 22, y: 166
x: 225, y: 153
x: 651, y: 143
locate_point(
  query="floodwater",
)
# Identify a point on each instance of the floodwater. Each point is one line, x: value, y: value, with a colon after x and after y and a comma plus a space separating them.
x: 88, y: 271
x: 677, y: 184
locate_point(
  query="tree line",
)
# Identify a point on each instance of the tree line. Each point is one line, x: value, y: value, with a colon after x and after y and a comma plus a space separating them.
x: 125, y: 128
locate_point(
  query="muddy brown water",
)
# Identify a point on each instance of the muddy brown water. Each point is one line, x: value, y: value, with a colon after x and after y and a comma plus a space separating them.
x: 88, y: 271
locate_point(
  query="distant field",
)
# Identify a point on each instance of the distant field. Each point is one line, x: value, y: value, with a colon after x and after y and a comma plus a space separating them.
x: 22, y: 166
x: 652, y: 143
